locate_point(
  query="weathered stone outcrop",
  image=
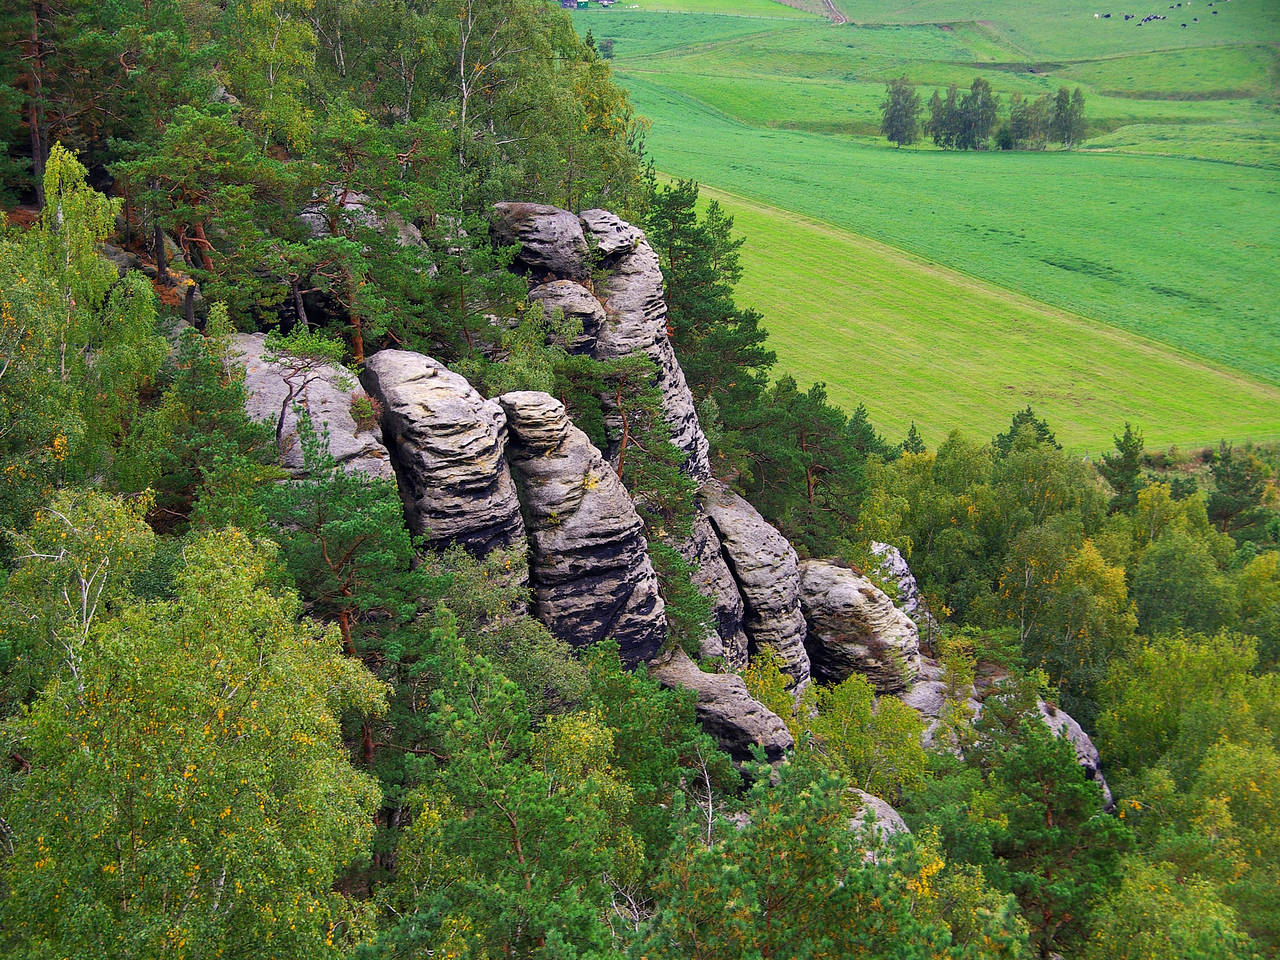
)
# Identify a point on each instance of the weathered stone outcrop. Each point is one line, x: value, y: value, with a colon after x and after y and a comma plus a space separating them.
x: 714, y: 580
x: 927, y: 696
x: 589, y: 566
x: 576, y: 302
x: 447, y: 445
x: 1064, y: 725
x: 635, y: 322
x: 764, y: 566
x: 728, y: 712
x: 887, y: 822
x: 356, y: 208
x: 551, y: 241
x: 893, y: 567
x: 328, y: 394
x: 853, y: 627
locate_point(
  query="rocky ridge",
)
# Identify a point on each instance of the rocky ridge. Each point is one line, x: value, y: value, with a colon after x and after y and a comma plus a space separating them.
x: 515, y: 472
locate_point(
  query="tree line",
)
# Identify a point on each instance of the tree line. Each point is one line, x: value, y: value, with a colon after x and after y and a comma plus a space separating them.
x: 968, y: 120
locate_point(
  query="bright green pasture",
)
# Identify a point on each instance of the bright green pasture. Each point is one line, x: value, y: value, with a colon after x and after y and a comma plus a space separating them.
x: 915, y: 341
x: 1165, y: 225
x: 1181, y: 251
x: 737, y: 8
x: 831, y: 80
x: 1066, y: 28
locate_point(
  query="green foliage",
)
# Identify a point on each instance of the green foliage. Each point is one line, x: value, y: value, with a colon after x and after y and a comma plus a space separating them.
x: 517, y: 836
x: 206, y: 798
x: 73, y: 568
x: 795, y: 881
x: 873, y: 744
x: 1193, y: 731
x: 1123, y: 469
x: 196, y: 448
x: 689, y: 613
x: 1155, y: 914
x: 900, y: 122
x: 77, y: 343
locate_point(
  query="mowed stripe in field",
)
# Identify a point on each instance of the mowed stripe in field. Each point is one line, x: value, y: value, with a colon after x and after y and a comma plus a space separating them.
x: 914, y: 340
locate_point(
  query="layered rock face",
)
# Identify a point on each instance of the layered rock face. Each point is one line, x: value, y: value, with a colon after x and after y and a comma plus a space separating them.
x: 765, y: 569
x: 853, y: 627
x: 726, y: 709
x: 551, y: 240
x: 556, y: 245
x: 447, y: 445
x: 589, y: 565
x: 274, y: 389
x: 636, y: 322
x: 893, y: 566
x: 714, y: 580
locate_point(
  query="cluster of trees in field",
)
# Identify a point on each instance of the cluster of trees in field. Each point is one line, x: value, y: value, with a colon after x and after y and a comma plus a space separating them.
x: 250, y: 718
x: 968, y: 120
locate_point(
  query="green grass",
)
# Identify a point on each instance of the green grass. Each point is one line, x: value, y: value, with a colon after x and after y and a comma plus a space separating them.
x: 737, y: 8
x: 1182, y: 251
x: 916, y: 341
x: 1166, y: 226
x: 1066, y: 28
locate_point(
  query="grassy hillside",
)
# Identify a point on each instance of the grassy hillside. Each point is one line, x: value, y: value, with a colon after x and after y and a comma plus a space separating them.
x: 916, y: 341
x: 1166, y: 226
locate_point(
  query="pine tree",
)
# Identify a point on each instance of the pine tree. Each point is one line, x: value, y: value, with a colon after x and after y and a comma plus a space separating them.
x: 1123, y: 469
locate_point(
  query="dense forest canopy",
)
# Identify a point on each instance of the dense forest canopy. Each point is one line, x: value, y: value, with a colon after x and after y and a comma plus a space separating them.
x: 247, y: 713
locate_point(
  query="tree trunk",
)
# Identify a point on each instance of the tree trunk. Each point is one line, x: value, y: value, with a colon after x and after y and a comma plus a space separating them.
x: 35, y: 108
x: 161, y: 255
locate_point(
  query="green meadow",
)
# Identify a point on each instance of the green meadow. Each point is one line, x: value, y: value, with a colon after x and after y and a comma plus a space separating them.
x: 1154, y: 245
x: 917, y: 341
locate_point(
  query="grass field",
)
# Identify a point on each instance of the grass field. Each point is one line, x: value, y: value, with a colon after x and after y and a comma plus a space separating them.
x: 1166, y: 226
x: 914, y: 340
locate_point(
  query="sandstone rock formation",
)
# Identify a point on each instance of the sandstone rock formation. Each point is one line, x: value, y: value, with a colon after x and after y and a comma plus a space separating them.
x: 1064, y: 725
x: 635, y: 323
x: 886, y: 820
x: 576, y: 302
x: 714, y: 580
x: 764, y: 566
x: 727, y: 711
x: 893, y: 566
x: 447, y: 445
x: 325, y: 391
x: 854, y: 627
x: 551, y: 241
x: 589, y: 566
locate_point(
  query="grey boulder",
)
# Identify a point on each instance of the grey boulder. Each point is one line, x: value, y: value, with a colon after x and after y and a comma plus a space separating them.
x: 894, y: 567
x: 764, y: 567
x: 447, y: 445
x: 551, y: 241
x: 728, y: 713
x: 1064, y: 725
x: 589, y: 566
x: 885, y: 820
x: 274, y: 389
x: 636, y: 323
x: 855, y: 628
x: 576, y: 302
